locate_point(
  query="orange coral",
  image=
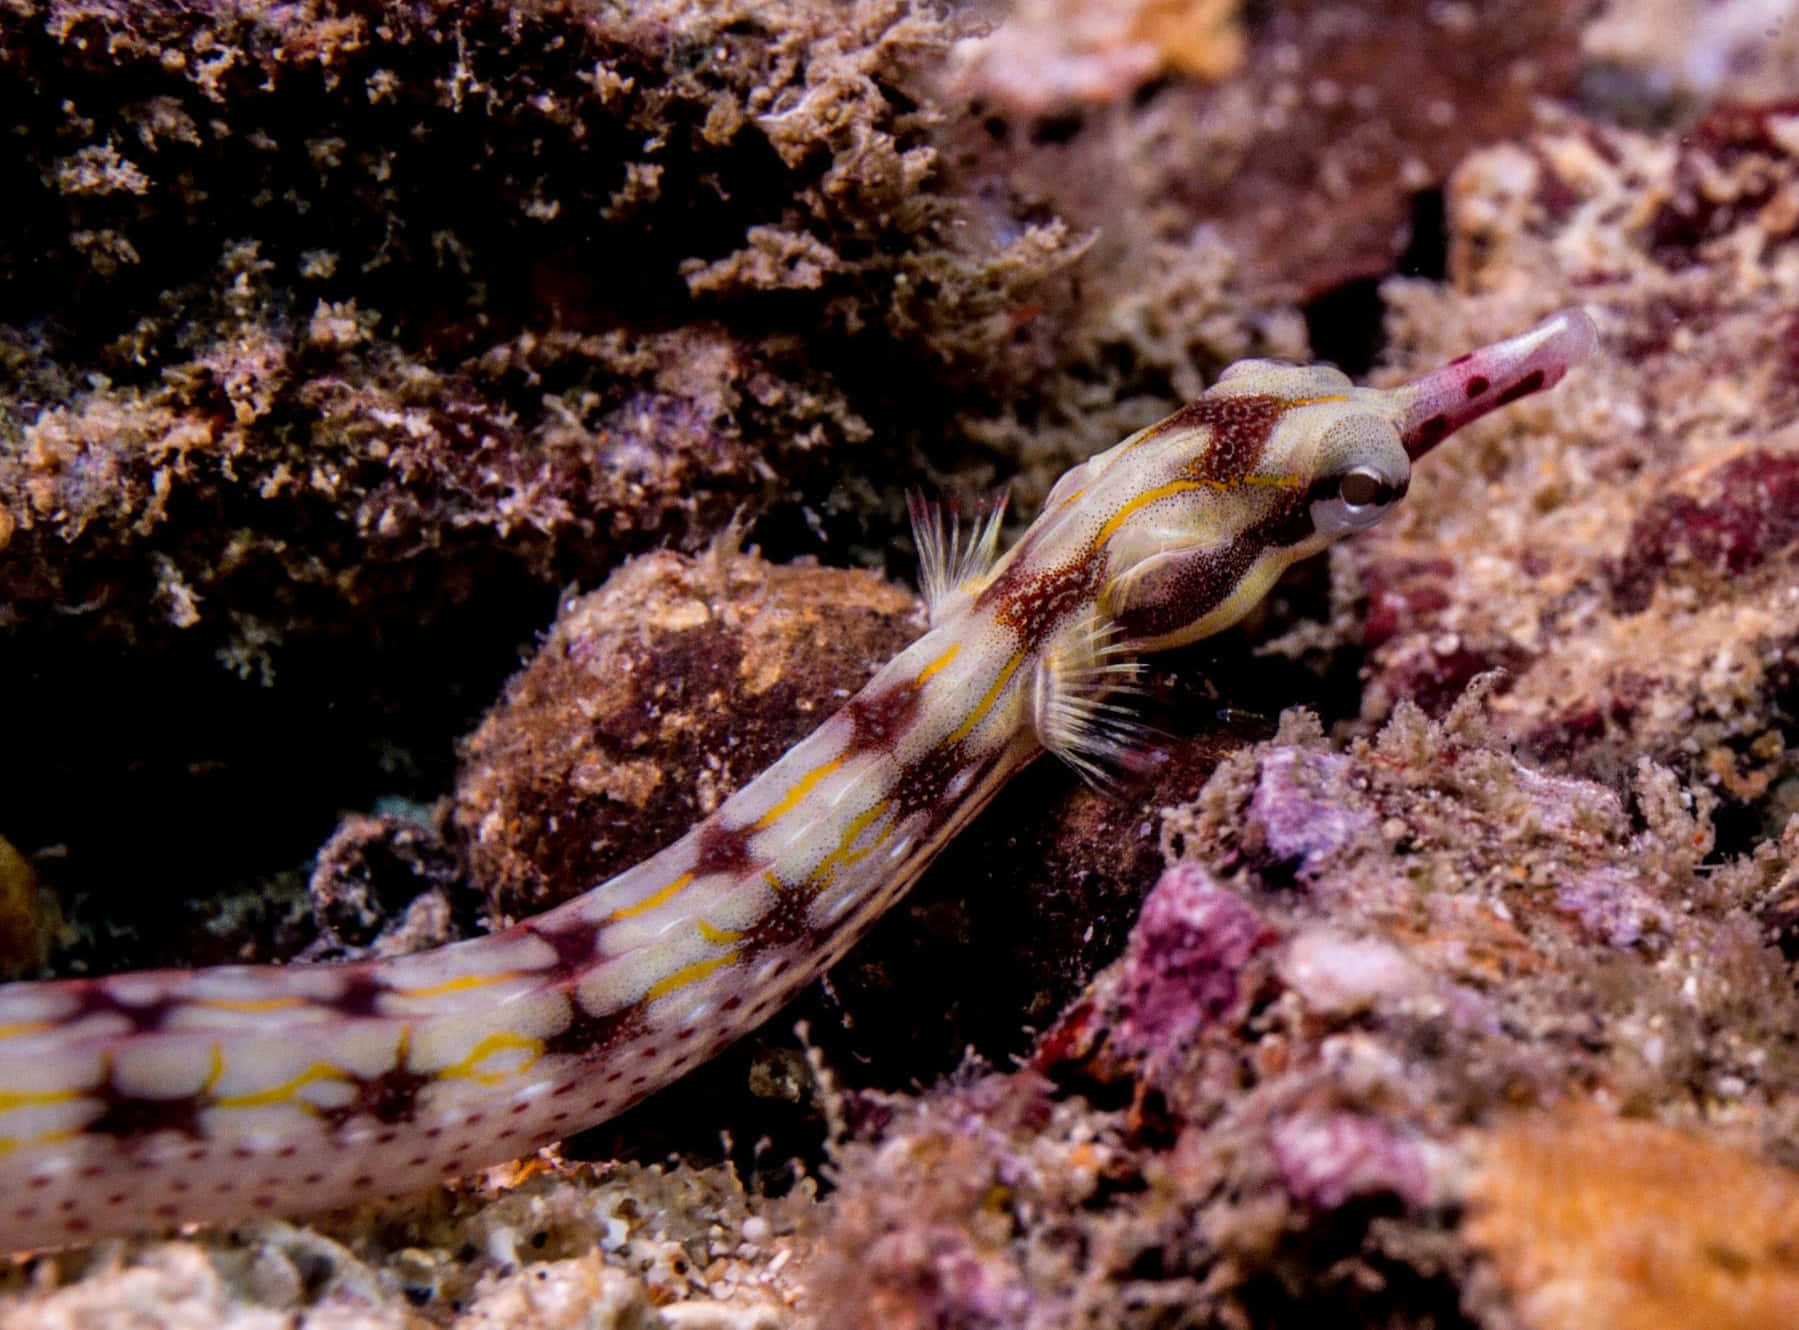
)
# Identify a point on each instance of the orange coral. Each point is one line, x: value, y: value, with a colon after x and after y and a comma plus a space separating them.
x: 1593, y: 1221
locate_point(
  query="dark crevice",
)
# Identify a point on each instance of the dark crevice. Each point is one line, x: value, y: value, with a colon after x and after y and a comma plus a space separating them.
x: 1427, y: 255
x: 1345, y: 328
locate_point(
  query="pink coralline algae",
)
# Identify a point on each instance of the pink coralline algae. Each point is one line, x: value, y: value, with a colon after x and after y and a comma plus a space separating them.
x: 1300, y: 821
x: 1336, y: 975
x: 1182, y: 971
x: 1613, y: 906
x: 1328, y: 1159
x: 1743, y: 512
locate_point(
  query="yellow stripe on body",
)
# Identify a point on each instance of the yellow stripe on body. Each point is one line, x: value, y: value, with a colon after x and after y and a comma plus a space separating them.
x: 215, y: 1069
x: 286, y: 1091
x: 57, y: 1137
x: 801, y: 788
x: 284, y: 1003
x: 11, y: 1099
x: 458, y: 985
x: 1141, y: 501
x: 985, y: 705
x: 687, y: 974
x: 718, y: 937
x: 500, y: 1041
x: 649, y: 902
x: 924, y: 675
x: 25, y: 1027
x: 843, y: 856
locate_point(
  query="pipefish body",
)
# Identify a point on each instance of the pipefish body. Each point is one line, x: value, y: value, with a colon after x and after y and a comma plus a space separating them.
x: 146, y: 1100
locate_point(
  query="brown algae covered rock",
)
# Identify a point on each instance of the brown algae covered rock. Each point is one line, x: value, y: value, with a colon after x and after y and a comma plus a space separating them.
x: 410, y: 289
x: 337, y: 340
x: 653, y: 699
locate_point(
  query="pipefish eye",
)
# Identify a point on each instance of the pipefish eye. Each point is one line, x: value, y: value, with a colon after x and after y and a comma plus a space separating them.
x: 1359, y: 471
x: 1355, y: 499
x: 1365, y: 487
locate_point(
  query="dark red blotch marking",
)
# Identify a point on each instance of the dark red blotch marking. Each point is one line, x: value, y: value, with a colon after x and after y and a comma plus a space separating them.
x: 1525, y: 386
x: 723, y: 850
x: 1239, y: 427
x: 575, y: 941
x: 95, y: 998
x: 590, y: 1037
x: 779, y: 927
x: 1433, y: 431
x: 1032, y: 603
x: 877, y: 720
x: 1183, y: 590
x: 391, y: 1096
x: 127, y: 1117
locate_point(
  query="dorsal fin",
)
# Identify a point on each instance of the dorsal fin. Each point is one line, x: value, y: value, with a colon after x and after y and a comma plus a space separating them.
x: 954, y: 556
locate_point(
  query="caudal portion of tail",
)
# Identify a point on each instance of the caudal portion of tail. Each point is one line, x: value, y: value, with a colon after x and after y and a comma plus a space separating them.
x: 1469, y: 386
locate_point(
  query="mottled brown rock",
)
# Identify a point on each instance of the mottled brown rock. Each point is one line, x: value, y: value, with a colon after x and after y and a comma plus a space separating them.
x: 651, y: 701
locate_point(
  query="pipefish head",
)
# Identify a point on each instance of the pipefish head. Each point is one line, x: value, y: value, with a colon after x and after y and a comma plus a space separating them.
x: 1198, y: 515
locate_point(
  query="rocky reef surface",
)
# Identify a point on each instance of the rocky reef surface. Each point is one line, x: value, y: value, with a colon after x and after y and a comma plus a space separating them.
x: 351, y: 347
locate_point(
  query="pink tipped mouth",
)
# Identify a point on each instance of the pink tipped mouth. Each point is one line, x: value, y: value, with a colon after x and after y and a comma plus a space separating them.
x: 1470, y: 386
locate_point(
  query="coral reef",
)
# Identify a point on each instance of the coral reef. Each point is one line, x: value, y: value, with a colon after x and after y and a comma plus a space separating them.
x: 344, y: 343
x: 1257, y: 1113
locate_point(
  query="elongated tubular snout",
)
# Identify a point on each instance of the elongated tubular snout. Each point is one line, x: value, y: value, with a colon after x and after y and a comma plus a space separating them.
x: 1469, y: 386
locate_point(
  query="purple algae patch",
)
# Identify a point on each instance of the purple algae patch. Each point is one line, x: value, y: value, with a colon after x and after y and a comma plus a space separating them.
x: 1300, y: 818
x: 1182, y: 970
x: 1328, y: 1159
x: 1612, y: 907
